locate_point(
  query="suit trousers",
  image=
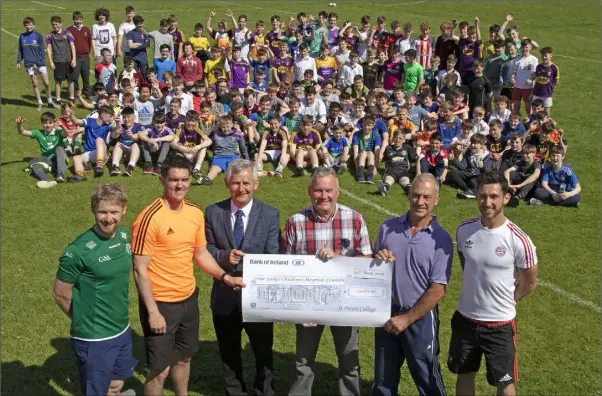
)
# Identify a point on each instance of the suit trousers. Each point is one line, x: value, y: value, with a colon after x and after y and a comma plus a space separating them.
x: 228, y: 330
x: 346, y: 343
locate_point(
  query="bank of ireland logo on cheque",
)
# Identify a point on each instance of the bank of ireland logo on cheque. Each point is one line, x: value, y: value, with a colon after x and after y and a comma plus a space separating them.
x: 298, y: 262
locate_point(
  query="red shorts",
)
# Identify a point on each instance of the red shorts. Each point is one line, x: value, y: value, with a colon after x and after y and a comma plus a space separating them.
x: 520, y: 93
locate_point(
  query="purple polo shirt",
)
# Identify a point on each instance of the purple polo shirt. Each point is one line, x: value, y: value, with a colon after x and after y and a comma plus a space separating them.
x: 420, y: 260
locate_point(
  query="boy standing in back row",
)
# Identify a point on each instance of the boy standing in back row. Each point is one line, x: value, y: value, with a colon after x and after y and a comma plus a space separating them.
x: 32, y: 52
x: 61, y: 57
x: 82, y: 39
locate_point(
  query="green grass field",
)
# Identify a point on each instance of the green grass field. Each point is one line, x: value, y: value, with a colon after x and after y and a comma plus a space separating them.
x: 559, y: 324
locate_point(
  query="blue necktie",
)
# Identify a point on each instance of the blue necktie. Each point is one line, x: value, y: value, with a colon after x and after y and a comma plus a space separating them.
x: 239, y: 229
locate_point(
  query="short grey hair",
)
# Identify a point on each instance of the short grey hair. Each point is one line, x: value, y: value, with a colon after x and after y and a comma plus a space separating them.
x: 323, y: 172
x: 239, y: 165
x: 423, y: 177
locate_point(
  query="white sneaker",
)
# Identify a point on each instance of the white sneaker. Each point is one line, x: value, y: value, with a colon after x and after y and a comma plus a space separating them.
x: 46, y: 184
x: 535, y: 201
x: 469, y: 195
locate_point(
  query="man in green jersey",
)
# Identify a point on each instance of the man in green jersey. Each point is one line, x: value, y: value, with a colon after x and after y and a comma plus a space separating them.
x: 91, y: 288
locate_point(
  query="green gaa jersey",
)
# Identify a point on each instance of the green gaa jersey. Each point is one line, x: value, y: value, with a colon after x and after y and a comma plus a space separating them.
x: 99, y: 269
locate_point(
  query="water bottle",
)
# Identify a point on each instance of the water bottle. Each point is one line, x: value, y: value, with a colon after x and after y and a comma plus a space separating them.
x: 562, y: 188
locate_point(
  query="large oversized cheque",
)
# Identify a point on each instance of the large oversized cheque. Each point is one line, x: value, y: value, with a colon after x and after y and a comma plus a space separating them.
x: 343, y: 291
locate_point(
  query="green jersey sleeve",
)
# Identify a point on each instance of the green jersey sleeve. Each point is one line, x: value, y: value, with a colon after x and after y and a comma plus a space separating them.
x: 36, y: 134
x: 71, y: 266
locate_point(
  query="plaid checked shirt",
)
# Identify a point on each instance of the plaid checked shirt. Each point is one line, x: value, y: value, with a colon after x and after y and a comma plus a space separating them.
x: 345, y: 232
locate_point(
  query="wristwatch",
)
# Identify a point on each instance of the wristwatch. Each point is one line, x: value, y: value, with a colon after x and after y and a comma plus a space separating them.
x: 221, y: 279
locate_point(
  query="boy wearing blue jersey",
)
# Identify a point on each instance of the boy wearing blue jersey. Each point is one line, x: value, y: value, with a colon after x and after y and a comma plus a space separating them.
x: 127, y: 133
x: 335, y: 150
x: 96, y: 133
x: 366, y: 143
x: 559, y: 185
x: 32, y: 52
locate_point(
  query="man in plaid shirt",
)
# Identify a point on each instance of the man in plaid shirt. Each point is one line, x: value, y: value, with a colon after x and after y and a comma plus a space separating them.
x: 327, y: 230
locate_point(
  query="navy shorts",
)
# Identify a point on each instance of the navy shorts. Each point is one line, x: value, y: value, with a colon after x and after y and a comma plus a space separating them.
x: 222, y: 161
x: 100, y: 362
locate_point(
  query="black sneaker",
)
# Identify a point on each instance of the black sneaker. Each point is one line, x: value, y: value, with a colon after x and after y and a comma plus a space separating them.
x: 99, y: 171
x: 148, y: 168
x: 369, y: 180
x: 382, y: 188
x: 157, y: 170
x: 115, y: 171
x: 514, y: 202
x: 60, y: 179
x: 206, y: 182
x: 360, y: 179
x: 299, y: 172
x: 76, y: 178
x: 128, y: 171
x: 461, y: 195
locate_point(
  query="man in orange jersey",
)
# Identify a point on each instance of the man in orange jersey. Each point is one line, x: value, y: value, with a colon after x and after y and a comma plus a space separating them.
x: 166, y: 237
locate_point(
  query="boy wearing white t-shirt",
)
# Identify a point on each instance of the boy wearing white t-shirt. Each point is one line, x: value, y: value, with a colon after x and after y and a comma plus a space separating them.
x: 103, y: 34
x: 523, y: 73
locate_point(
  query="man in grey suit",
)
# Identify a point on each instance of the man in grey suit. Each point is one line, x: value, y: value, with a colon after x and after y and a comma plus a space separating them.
x: 233, y: 227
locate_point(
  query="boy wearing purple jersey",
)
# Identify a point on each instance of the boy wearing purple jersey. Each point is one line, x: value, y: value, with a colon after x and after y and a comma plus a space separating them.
x: 178, y: 36
x: 275, y: 36
x: 191, y: 142
x: 239, y: 70
x: 333, y: 30
x: 273, y: 148
x: 304, y: 147
x: 546, y: 78
x: 283, y: 63
x: 155, y: 143
x: 467, y: 51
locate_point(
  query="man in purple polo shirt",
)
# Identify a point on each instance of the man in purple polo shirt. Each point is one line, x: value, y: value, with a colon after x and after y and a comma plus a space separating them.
x: 421, y: 253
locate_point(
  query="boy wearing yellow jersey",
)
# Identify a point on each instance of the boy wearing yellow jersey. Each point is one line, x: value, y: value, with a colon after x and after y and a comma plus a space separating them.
x: 200, y: 43
x: 326, y: 65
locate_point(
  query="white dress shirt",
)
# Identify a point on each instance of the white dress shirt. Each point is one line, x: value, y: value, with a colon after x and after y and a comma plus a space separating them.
x: 246, y: 212
x: 302, y: 64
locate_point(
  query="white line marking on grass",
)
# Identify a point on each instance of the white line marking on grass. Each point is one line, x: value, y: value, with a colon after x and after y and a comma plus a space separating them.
x: 558, y: 290
x: 368, y: 202
x: 49, y: 5
x: 7, y: 32
x: 570, y: 296
x: 400, y: 4
x: 580, y: 59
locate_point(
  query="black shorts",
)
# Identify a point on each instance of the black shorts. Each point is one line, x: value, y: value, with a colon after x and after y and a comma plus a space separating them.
x: 397, y: 174
x: 63, y: 71
x: 180, y: 342
x: 472, y: 339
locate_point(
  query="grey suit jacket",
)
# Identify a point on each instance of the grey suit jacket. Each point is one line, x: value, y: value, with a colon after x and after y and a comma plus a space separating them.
x: 262, y: 236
